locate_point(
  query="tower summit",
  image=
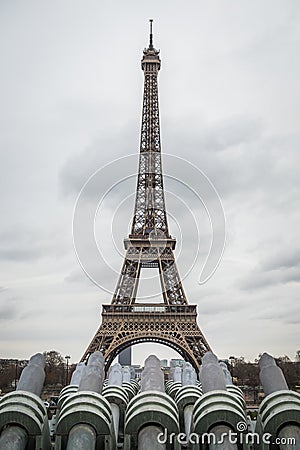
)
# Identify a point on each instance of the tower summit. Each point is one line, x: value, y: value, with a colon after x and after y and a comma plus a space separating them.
x: 149, y: 245
x: 151, y: 34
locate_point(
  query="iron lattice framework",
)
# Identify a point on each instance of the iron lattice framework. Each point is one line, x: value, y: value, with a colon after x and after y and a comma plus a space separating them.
x: 149, y: 245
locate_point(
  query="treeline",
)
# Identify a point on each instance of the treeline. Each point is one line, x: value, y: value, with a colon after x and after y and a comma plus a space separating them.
x: 55, y: 369
x: 58, y: 372
x: 247, y: 373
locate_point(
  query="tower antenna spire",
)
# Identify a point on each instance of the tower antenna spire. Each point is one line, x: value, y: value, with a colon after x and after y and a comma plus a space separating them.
x: 151, y: 34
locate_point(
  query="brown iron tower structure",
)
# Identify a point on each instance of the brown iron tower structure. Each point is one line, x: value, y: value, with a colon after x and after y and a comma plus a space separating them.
x: 126, y: 322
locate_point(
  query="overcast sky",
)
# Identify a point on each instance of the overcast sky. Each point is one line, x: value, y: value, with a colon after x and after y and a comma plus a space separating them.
x: 71, y: 91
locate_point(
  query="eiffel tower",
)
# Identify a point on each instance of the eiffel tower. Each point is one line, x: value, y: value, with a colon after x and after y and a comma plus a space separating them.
x: 150, y: 245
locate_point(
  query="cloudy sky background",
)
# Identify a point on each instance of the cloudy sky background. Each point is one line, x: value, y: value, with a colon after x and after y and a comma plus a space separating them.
x: 71, y: 92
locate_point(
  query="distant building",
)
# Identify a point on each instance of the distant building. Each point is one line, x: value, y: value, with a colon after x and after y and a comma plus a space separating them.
x: 125, y: 357
x: 176, y: 362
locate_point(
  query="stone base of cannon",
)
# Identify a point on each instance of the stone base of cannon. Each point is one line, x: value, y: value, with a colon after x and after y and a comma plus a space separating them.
x: 149, y: 407
x: 86, y: 408
x: 118, y: 398
x: 186, y: 396
x: 238, y: 393
x: 26, y: 411
x: 66, y: 392
x: 131, y: 388
x: 277, y: 411
x: 218, y: 408
x: 172, y: 388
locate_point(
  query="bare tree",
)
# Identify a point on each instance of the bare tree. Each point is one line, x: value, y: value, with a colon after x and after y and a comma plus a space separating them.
x: 55, y: 367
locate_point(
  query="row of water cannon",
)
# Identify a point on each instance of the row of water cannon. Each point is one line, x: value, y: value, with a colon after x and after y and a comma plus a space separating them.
x: 93, y: 413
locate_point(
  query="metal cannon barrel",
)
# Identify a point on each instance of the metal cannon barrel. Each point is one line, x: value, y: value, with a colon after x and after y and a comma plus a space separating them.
x: 117, y: 395
x: 151, y: 411
x: 186, y: 397
x: 279, y: 412
x: 219, y: 411
x: 85, y: 419
x: 23, y: 417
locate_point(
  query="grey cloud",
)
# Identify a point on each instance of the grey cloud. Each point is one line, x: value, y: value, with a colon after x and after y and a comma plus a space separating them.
x: 266, y: 169
x: 288, y: 257
x: 8, y: 312
x: 77, y: 276
x: 30, y: 244
x: 8, y: 305
x: 240, y: 162
x: 201, y: 145
x: 278, y: 266
x: 287, y: 312
x: 216, y: 309
x: 33, y: 314
x: 231, y: 132
x: 259, y: 279
x: 252, y: 167
x: 19, y: 244
x: 289, y: 318
x: 102, y: 152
